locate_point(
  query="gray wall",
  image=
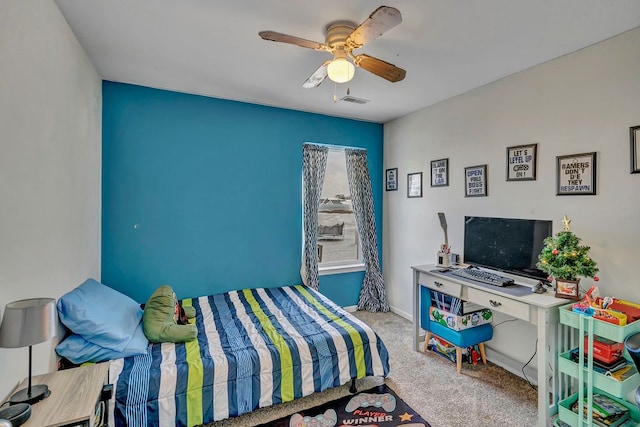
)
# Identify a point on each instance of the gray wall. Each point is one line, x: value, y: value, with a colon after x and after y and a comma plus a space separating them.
x: 582, y: 102
x: 50, y: 126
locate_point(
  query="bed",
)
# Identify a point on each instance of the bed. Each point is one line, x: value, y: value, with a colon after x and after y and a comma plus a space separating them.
x: 255, y: 348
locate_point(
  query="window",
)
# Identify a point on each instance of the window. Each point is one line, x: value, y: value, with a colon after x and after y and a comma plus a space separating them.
x: 339, y: 246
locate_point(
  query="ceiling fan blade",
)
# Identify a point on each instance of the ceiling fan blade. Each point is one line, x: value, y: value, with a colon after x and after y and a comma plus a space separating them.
x: 317, y: 77
x: 285, y: 38
x: 380, y: 21
x: 380, y: 68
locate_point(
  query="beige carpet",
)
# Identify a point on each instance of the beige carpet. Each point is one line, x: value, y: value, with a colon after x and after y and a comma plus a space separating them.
x: 482, y: 396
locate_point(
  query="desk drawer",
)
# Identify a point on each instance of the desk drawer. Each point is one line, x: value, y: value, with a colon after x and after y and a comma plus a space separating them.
x: 499, y: 303
x: 441, y: 285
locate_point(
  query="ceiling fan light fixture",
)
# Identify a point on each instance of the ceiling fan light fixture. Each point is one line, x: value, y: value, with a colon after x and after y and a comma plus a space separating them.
x: 341, y: 38
x: 340, y: 70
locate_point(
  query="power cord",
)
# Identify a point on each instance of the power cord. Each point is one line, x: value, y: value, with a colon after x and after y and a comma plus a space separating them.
x: 504, y: 321
x: 529, y: 361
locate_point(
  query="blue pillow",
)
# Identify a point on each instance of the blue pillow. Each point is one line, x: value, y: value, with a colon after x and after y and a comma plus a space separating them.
x: 102, y: 315
x: 78, y: 350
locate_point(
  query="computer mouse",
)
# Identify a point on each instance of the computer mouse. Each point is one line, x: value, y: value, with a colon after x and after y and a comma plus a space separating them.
x: 539, y: 289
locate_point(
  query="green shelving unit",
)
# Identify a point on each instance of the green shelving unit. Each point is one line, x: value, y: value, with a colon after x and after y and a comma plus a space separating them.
x: 568, y: 416
x: 589, y: 381
x: 600, y: 381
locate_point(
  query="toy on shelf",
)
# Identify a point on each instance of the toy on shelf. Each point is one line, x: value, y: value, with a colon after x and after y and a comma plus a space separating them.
x: 606, y: 411
x: 607, y: 309
x: 611, y: 317
x: 630, y: 309
x: 442, y: 348
x: 470, y: 355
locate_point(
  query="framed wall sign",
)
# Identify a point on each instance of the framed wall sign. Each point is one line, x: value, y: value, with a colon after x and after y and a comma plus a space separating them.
x: 475, y: 181
x: 576, y: 174
x: 414, y: 184
x: 440, y: 173
x: 521, y: 162
x: 635, y: 153
x: 391, y: 179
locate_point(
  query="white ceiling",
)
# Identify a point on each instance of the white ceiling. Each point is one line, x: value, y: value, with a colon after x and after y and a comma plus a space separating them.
x: 447, y: 47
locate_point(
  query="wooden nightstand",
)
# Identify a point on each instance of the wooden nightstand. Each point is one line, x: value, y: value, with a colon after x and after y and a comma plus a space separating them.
x: 74, y: 400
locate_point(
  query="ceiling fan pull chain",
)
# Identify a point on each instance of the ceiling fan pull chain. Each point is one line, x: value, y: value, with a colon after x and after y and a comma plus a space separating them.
x: 335, y: 88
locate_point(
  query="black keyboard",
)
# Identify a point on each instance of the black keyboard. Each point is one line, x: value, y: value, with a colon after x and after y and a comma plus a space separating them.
x: 483, y: 276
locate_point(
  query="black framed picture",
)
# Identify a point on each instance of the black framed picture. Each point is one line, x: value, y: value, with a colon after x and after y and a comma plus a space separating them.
x: 576, y: 174
x: 440, y: 173
x: 475, y: 181
x: 414, y: 184
x: 391, y: 179
x: 521, y: 162
x: 635, y: 153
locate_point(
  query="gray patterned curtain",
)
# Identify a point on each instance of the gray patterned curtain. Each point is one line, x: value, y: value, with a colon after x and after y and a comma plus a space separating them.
x: 372, y: 295
x: 314, y: 165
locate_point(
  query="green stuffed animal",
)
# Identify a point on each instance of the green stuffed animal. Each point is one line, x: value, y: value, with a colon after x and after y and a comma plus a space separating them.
x: 162, y: 315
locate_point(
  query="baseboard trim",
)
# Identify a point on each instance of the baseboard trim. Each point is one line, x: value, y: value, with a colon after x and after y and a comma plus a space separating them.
x: 401, y: 313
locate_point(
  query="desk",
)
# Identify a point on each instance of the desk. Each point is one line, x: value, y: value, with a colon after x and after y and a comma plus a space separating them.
x: 74, y: 395
x: 540, y: 310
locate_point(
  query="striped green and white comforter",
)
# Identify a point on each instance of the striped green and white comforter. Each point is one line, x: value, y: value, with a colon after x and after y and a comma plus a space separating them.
x: 255, y: 348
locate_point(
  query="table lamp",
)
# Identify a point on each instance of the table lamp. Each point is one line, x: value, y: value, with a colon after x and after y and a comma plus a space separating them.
x: 25, y: 323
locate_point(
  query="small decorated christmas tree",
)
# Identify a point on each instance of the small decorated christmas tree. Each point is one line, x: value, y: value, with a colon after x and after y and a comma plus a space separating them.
x: 562, y: 256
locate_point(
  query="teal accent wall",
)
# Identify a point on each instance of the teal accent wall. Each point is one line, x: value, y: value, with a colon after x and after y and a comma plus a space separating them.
x: 205, y: 194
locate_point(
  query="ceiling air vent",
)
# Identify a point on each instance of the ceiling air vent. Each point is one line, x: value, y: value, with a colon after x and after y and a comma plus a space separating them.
x: 349, y: 98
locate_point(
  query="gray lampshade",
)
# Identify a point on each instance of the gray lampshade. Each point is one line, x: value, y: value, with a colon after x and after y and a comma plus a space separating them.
x: 28, y: 322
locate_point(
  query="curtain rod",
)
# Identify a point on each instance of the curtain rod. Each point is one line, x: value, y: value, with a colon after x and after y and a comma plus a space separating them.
x: 341, y: 147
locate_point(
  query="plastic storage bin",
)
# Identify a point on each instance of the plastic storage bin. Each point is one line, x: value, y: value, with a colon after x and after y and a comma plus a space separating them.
x: 571, y: 418
x: 600, y: 328
x: 600, y: 381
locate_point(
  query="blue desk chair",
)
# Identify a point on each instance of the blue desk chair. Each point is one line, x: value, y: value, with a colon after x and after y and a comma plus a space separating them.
x: 459, y: 339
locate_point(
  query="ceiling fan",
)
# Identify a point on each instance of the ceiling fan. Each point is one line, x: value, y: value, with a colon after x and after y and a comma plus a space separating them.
x: 342, y: 37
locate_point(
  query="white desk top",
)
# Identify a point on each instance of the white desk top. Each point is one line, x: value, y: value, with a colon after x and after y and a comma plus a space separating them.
x: 545, y: 300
